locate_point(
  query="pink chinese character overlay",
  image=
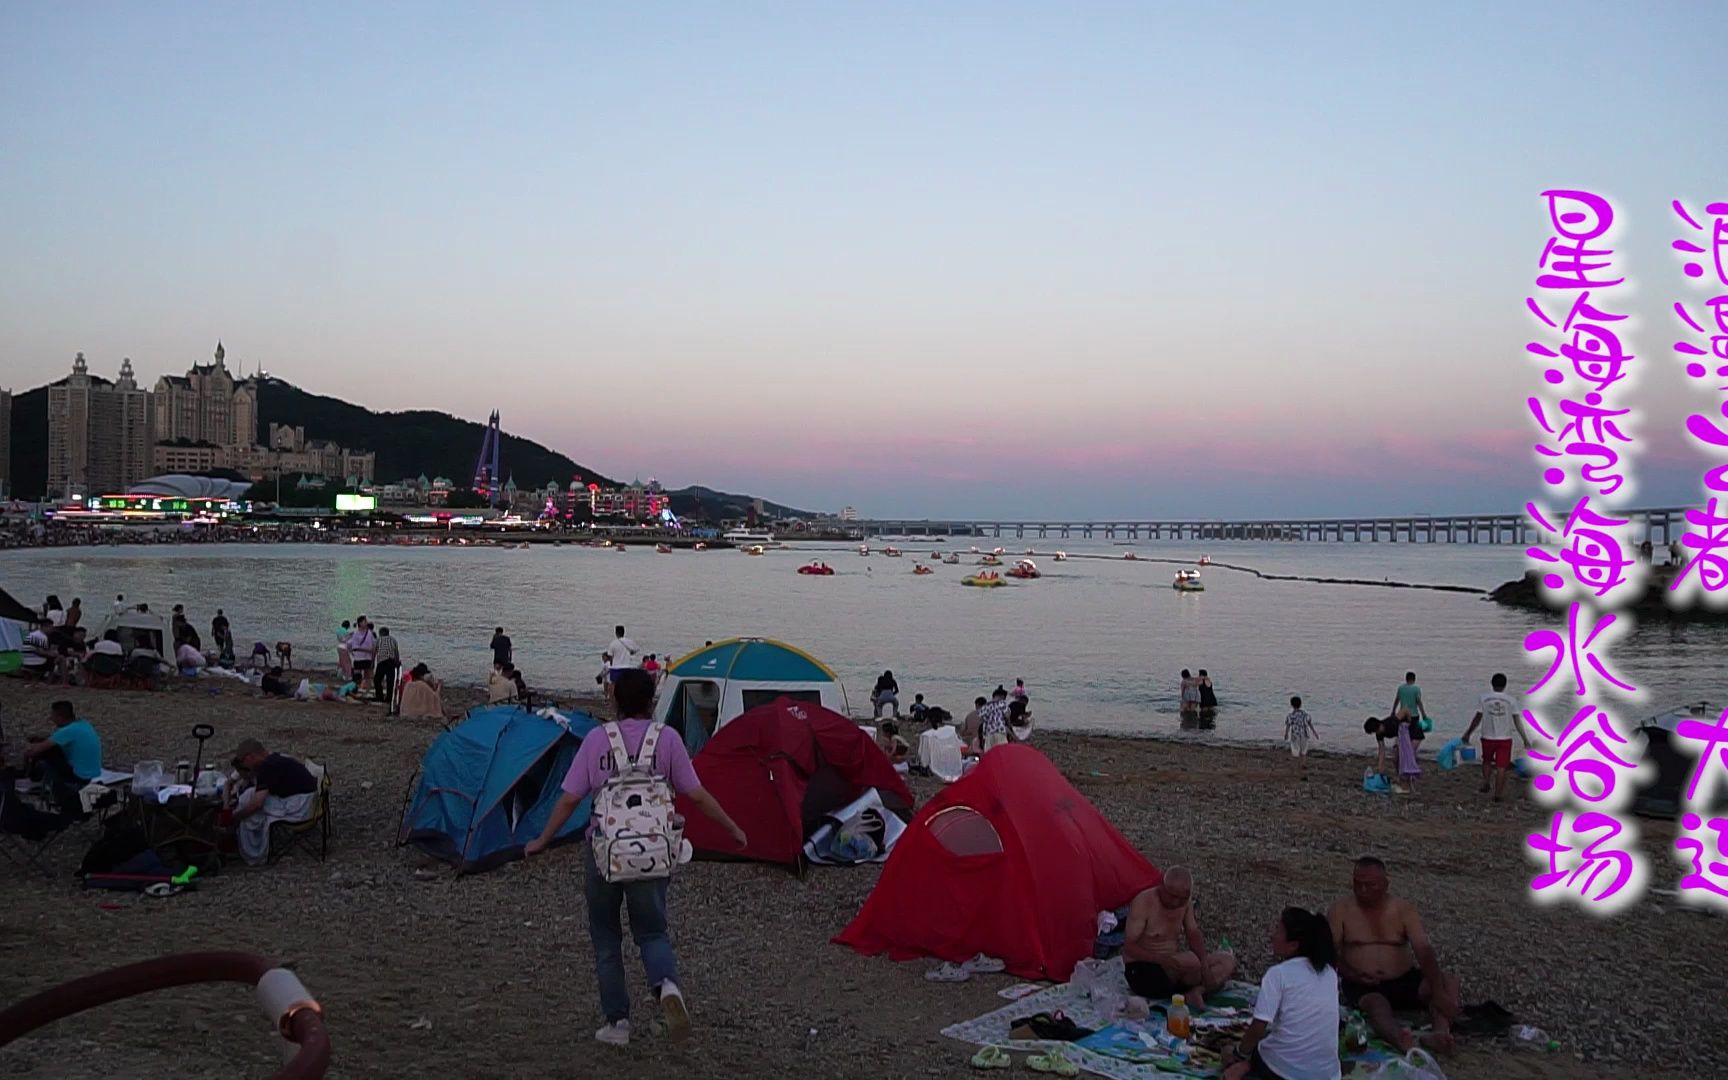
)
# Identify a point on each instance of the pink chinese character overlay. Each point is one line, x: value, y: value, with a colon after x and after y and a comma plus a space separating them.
x: 1703, y: 842
x: 1702, y: 348
x: 1591, y: 859
x: 1584, y: 558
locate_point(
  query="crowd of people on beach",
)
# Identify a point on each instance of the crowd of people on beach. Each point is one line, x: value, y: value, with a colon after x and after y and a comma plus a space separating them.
x: 25, y: 533
x: 65, y: 766
x: 1369, y: 950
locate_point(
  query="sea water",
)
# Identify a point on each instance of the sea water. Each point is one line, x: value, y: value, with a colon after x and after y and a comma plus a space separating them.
x: 1101, y: 642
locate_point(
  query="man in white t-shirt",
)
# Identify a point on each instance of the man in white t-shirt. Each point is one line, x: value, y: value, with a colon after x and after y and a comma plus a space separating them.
x: 1498, y: 717
x: 621, y: 655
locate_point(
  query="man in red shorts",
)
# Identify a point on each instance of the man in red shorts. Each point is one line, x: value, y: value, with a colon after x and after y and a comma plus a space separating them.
x: 1498, y: 717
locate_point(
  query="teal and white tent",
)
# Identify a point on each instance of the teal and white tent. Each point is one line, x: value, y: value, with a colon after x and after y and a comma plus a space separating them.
x: 712, y: 686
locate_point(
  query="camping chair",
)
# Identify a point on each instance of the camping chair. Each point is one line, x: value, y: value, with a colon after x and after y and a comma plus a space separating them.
x: 26, y: 831
x: 106, y: 671
x: 287, y: 835
x: 142, y: 673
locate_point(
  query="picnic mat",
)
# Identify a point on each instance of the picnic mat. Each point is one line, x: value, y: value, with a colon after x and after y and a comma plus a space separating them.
x: 1115, y: 1049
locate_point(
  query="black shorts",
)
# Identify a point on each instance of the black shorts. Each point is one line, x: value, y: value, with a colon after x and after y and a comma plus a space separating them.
x: 1259, y: 1070
x: 1404, y: 992
x: 1150, y: 981
x: 361, y: 667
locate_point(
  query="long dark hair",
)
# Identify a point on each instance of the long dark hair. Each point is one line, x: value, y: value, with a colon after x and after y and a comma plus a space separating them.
x: 1312, y: 936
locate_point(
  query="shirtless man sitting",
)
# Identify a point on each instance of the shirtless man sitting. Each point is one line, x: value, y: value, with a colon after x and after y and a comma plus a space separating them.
x: 1385, y: 962
x: 1163, y: 946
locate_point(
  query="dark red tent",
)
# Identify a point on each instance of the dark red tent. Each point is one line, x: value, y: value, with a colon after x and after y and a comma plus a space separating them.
x: 778, y: 769
x: 1009, y: 861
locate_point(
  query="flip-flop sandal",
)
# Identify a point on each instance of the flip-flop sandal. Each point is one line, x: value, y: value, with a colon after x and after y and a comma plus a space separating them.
x: 1053, y: 1061
x: 991, y: 1057
x: 948, y: 973
x: 984, y: 965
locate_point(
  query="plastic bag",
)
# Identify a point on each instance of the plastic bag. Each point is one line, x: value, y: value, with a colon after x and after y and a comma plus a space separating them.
x: 1089, y: 973
x: 1449, y: 754
x: 1374, y: 783
x: 1418, y: 1064
x: 147, y: 776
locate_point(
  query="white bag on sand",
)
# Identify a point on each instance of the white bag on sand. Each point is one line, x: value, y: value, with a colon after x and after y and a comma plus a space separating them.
x: 1418, y: 1064
x: 1090, y: 973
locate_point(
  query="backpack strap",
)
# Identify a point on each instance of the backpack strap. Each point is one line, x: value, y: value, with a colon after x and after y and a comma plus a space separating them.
x: 650, y: 743
x: 620, y: 756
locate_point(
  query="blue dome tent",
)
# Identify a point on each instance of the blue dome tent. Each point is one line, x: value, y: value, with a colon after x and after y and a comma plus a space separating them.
x: 720, y: 682
x: 487, y: 786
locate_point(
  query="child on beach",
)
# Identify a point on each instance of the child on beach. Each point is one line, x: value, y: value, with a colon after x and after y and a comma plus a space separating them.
x: 344, y: 659
x: 889, y: 740
x: 919, y: 712
x: 1299, y: 729
x: 1382, y: 730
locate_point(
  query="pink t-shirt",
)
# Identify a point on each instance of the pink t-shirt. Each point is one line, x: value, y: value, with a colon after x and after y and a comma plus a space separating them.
x: 588, y: 772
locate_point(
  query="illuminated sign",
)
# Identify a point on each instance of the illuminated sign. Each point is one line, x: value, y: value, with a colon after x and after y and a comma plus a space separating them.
x: 347, y: 502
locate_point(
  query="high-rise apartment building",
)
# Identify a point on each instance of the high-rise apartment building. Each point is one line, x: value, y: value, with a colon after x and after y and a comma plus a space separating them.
x: 99, y: 437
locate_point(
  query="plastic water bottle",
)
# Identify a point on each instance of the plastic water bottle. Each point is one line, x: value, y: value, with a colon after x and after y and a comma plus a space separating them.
x: 1177, y: 1021
x: 1533, y: 1038
x: 1355, y: 1037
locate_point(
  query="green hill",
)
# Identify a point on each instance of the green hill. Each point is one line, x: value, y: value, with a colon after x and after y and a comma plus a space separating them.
x: 407, y: 443
x: 718, y: 505
x: 413, y: 442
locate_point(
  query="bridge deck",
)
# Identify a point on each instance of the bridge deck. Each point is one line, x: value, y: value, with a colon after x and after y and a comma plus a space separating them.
x: 1658, y: 525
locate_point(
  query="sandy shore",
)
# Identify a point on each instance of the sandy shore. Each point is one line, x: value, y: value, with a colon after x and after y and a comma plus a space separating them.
x: 500, y: 965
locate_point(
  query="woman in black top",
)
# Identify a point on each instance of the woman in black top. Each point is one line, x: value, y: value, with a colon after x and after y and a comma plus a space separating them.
x: 887, y: 692
x: 1208, y: 699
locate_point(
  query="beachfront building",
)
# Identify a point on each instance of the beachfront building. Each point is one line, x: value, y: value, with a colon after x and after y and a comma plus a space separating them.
x: 316, y: 458
x: 290, y: 451
x: 99, y: 432
x: 849, y: 514
x: 207, y: 405
x: 636, y: 502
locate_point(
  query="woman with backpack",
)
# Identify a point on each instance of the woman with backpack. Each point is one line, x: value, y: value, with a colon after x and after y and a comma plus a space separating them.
x: 632, y: 767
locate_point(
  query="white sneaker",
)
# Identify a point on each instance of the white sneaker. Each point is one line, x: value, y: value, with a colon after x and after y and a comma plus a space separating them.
x: 616, y: 1033
x: 677, y: 1015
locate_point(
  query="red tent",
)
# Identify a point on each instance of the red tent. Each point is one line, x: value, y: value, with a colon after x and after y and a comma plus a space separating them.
x: 1009, y: 861
x: 778, y: 769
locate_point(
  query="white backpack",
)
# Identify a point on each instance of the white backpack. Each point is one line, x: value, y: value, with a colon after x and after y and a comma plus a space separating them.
x: 638, y: 835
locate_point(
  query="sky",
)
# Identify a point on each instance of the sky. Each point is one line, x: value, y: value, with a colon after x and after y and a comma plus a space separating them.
x: 1143, y: 260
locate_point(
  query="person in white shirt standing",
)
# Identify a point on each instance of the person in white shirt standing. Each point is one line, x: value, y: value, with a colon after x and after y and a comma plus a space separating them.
x: 1498, y: 717
x: 1294, y: 1034
x: 621, y: 655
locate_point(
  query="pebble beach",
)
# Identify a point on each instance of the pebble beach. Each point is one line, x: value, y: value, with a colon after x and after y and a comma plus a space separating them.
x: 491, y: 975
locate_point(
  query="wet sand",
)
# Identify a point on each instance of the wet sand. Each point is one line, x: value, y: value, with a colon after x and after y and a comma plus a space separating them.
x: 500, y: 967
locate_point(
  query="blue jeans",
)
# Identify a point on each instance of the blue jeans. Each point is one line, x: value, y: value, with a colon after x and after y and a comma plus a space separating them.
x: 647, y: 903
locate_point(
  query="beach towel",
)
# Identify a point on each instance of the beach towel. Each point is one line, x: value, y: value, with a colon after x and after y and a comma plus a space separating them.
x: 419, y: 699
x: 253, y: 832
x: 1407, y: 766
x: 1115, y: 1048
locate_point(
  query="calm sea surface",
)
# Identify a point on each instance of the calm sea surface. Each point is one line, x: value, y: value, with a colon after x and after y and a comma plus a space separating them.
x: 1100, y: 642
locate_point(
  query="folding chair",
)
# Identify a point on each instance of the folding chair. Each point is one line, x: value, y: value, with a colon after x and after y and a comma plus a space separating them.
x: 26, y: 832
x: 105, y: 672
x: 285, y: 836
